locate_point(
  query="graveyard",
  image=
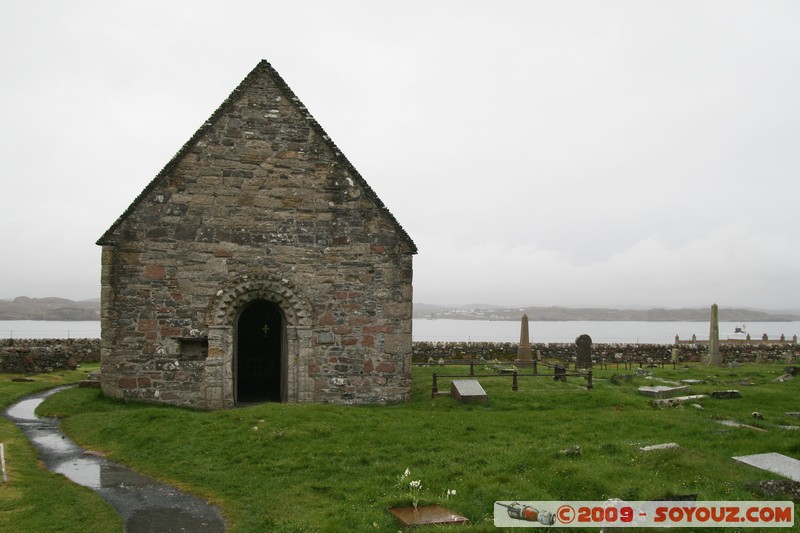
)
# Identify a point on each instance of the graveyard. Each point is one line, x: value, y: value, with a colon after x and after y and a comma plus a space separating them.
x: 320, y: 467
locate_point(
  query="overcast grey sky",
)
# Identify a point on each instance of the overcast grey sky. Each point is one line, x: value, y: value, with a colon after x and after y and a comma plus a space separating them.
x: 538, y: 152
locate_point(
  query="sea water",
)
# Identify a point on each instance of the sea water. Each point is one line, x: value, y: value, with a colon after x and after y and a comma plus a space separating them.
x: 451, y: 330
x: 623, y: 332
x: 49, y: 329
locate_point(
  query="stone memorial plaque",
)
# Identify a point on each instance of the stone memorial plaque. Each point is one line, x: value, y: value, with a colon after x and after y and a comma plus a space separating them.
x: 773, y: 462
x: 467, y: 390
x: 426, y: 514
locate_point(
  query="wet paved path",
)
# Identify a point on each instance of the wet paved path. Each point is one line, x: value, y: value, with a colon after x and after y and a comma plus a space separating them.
x: 146, y: 505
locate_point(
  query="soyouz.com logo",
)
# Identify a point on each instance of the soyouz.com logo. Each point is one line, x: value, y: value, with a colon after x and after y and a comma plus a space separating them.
x: 618, y: 513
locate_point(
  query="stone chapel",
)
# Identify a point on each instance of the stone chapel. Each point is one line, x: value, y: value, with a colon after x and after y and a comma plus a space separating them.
x: 257, y: 266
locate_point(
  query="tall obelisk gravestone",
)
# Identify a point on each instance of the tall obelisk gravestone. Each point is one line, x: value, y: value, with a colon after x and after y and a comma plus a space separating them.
x: 714, y: 357
x: 524, y: 350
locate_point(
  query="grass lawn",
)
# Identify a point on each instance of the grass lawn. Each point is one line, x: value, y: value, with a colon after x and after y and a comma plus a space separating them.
x: 280, y: 467
x: 35, y: 500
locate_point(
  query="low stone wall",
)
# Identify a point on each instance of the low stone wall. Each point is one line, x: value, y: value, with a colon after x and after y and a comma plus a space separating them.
x: 657, y: 353
x: 45, y: 355
x: 33, y: 356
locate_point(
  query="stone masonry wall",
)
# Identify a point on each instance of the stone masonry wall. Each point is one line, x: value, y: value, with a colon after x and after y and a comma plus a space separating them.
x: 34, y: 356
x: 635, y: 353
x: 258, y: 205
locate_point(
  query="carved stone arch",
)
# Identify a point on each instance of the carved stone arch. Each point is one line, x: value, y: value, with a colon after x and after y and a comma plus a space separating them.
x: 239, y: 292
x: 231, y: 299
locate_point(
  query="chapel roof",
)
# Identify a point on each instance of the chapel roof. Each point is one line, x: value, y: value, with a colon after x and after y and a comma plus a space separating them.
x: 263, y: 68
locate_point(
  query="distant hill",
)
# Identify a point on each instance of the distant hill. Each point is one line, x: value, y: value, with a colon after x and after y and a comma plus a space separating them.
x: 24, y: 308
x: 543, y: 314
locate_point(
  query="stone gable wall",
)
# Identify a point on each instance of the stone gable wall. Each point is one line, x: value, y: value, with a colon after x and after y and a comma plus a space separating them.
x: 260, y: 201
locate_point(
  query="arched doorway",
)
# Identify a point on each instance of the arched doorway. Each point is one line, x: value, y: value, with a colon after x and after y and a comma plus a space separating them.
x: 260, y: 353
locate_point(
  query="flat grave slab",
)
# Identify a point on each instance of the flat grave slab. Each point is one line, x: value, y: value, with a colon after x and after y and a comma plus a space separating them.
x: 467, y: 390
x: 426, y: 514
x: 726, y: 394
x: 773, y: 462
x: 662, y: 380
x: 662, y: 391
x: 677, y: 400
x: 735, y: 424
x: 665, y: 446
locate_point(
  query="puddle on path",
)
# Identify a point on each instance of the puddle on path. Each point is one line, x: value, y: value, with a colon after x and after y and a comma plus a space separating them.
x: 146, y: 505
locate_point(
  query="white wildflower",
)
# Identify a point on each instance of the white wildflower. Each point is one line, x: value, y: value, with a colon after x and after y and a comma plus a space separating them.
x: 414, y: 489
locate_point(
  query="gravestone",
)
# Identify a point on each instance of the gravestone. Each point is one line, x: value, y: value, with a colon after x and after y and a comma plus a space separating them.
x: 655, y: 447
x: 524, y: 349
x: 467, y: 390
x: 726, y: 394
x: 735, y: 424
x: 427, y: 515
x: 773, y: 462
x: 714, y: 357
x: 661, y: 391
x: 584, y: 344
x: 677, y: 401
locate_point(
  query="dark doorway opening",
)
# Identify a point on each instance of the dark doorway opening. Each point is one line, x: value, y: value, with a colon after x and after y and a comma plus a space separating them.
x: 260, y: 353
